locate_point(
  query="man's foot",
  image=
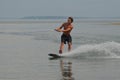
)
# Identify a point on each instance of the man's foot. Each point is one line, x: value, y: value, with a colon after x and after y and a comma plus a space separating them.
x: 60, y: 51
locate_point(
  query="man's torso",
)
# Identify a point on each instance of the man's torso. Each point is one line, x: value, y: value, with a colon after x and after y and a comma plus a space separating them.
x: 66, y: 26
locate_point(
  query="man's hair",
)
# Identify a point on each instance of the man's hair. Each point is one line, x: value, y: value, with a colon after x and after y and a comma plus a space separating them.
x: 71, y: 19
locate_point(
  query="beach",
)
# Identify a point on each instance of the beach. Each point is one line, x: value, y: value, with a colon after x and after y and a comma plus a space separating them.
x: 25, y: 45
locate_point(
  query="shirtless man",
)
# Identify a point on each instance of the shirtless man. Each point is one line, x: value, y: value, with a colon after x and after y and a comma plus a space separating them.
x: 66, y: 28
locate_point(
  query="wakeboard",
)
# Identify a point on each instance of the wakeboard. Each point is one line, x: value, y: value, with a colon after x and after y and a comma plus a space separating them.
x: 55, y: 56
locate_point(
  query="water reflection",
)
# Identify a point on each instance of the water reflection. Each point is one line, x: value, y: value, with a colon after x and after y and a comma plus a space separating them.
x: 66, y: 70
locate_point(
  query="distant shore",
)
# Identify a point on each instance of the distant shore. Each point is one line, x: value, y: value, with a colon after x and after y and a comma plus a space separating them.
x: 115, y: 23
x: 37, y: 21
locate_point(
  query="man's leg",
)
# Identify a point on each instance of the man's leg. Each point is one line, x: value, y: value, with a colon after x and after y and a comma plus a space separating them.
x: 61, y: 47
x: 69, y: 46
x: 69, y: 43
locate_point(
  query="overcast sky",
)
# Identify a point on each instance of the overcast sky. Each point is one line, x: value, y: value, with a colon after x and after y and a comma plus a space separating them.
x: 81, y: 8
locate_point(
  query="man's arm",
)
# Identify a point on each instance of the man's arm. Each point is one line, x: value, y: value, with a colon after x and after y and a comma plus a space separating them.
x: 59, y: 29
x: 68, y: 29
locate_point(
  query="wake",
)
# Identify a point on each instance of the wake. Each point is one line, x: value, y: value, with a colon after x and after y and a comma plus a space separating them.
x: 102, y: 50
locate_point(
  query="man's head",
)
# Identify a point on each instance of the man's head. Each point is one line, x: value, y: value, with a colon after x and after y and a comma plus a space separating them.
x: 70, y: 19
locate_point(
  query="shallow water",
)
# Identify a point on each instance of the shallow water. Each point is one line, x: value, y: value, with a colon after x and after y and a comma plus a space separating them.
x: 24, y: 49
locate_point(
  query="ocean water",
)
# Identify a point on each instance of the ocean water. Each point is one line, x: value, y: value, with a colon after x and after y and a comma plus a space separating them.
x: 25, y: 45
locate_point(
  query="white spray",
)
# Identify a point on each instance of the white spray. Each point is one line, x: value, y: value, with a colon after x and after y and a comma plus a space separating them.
x: 104, y: 50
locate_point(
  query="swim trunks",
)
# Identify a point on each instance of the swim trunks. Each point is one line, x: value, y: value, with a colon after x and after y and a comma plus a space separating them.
x: 66, y: 38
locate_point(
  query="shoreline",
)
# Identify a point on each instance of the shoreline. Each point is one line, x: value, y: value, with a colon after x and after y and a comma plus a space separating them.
x: 32, y: 21
x: 115, y: 23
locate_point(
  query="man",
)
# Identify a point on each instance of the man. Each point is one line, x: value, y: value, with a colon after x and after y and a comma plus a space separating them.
x: 66, y: 28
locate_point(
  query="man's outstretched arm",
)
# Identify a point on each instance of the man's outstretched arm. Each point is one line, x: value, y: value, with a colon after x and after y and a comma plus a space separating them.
x: 59, y: 29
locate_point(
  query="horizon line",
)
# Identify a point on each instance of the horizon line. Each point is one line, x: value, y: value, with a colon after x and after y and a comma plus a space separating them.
x: 56, y: 17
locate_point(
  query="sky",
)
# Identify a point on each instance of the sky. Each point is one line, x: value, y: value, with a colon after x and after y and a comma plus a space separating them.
x: 76, y: 8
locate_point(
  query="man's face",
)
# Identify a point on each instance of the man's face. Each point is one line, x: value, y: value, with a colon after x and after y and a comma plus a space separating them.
x: 69, y: 20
